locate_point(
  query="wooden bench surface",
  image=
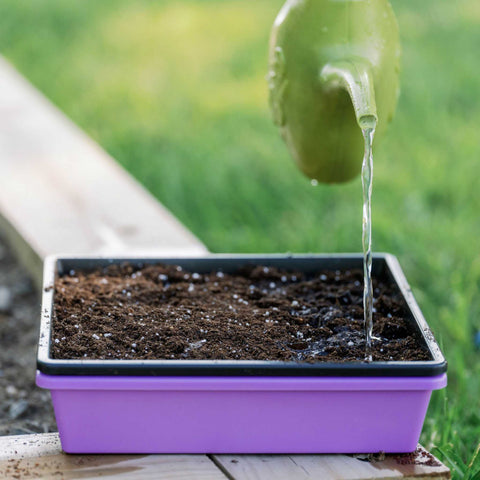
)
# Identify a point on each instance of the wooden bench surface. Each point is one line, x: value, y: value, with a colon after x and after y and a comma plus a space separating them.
x: 61, y: 193
x: 40, y: 456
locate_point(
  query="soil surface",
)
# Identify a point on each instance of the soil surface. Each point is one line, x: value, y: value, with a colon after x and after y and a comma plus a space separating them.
x: 260, y: 313
x: 24, y: 408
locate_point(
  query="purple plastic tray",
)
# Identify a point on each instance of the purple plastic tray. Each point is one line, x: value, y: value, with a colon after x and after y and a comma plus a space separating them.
x: 175, y: 406
x: 239, y: 414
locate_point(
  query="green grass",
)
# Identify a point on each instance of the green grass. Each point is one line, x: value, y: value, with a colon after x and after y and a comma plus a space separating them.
x: 176, y: 92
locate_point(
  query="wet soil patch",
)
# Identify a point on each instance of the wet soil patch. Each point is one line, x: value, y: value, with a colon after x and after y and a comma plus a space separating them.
x: 258, y: 313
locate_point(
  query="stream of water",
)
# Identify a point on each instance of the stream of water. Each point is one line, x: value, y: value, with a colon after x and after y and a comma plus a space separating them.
x: 367, y: 173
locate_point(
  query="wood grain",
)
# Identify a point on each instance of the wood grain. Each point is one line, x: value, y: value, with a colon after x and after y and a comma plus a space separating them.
x: 40, y: 456
x: 61, y: 193
x: 328, y: 467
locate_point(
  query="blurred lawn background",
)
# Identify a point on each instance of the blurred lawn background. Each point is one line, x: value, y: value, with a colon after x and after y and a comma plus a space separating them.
x: 175, y: 90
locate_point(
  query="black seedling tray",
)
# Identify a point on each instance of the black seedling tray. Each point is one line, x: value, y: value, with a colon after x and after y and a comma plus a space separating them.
x: 384, y: 266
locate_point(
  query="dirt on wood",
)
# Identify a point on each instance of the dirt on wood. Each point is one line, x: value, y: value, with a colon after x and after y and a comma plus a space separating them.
x: 259, y: 313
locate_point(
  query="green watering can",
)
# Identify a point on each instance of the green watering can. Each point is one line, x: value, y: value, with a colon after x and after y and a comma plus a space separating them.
x: 325, y: 57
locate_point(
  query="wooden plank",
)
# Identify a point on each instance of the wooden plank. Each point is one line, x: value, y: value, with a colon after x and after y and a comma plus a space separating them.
x: 61, y: 193
x: 422, y: 465
x: 26, y: 446
x: 40, y: 456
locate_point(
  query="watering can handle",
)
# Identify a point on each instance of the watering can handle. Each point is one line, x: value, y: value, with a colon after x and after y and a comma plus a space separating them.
x: 355, y: 76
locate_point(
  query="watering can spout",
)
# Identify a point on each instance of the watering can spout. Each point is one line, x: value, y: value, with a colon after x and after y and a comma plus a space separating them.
x: 324, y: 56
x: 355, y: 77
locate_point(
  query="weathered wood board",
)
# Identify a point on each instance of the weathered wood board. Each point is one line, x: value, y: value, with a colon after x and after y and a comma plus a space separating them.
x: 333, y: 467
x: 61, y: 193
x: 40, y: 456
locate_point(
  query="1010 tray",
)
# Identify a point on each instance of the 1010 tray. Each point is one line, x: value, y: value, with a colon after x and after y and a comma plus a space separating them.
x: 225, y: 406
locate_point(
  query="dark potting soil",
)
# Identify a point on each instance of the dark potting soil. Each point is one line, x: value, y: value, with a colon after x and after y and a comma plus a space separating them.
x: 260, y: 313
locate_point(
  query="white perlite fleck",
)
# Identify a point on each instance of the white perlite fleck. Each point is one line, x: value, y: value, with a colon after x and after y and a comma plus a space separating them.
x: 95, y: 336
